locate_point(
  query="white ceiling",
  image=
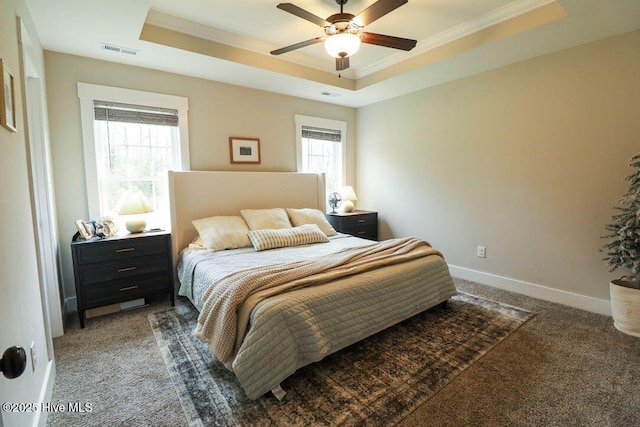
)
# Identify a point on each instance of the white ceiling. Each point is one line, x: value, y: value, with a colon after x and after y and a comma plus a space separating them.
x: 80, y: 27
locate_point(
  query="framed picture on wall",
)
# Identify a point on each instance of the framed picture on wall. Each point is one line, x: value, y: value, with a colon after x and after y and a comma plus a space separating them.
x: 244, y: 150
x: 8, y: 98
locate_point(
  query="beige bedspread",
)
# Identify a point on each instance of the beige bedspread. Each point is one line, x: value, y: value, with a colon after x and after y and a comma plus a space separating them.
x: 228, y: 303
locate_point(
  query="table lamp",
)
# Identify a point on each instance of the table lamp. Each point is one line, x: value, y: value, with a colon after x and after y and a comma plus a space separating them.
x: 348, y: 197
x: 135, y: 204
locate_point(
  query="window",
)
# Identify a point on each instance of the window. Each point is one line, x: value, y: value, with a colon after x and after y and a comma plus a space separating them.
x: 131, y: 140
x: 321, y: 148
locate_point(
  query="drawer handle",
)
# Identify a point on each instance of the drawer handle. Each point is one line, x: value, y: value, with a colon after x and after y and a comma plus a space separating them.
x: 125, y: 250
x: 362, y: 232
x: 361, y: 220
x: 128, y: 288
x: 122, y: 270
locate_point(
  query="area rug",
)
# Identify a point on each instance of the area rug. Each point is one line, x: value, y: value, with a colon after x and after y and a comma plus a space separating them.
x: 377, y: 381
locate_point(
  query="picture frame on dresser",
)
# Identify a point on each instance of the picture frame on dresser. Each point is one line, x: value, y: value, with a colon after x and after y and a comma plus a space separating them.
x: 82, y: 228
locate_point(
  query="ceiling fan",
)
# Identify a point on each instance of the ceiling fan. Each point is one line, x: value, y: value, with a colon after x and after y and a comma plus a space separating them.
x: 341, y: 30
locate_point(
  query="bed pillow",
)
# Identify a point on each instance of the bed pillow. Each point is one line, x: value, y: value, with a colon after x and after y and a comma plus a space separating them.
x: 223, y: 232
x: 311, y: 216
x: 279, y: 238
x: 197, y: 243
x: 260, y: 219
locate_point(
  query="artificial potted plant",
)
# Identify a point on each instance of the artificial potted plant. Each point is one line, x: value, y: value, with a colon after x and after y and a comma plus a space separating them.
x: 623, y: 251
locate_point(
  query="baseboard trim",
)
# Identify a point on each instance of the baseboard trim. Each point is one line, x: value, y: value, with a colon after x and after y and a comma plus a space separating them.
x: 46, y: 394
x: 546, y: 293
x: 70, y: 305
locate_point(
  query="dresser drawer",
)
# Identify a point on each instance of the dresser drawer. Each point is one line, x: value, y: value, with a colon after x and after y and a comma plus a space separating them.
x: 123, y: 290
x: 366, y: 232
x: 124, y: 269
x: 105, y: 251
x: 359, y: 221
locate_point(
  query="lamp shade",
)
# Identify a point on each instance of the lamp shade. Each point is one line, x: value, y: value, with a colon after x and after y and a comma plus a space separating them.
x: 134, y: 203
x: 342, y: 45
x: 348, y: 197
x: 348, y: 193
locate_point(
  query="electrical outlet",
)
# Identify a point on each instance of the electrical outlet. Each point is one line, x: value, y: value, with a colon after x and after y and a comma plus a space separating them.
x: 481, y: 252
x: 32, y: 352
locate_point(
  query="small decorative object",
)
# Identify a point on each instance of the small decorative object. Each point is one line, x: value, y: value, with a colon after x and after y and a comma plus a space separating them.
x: 349, y: 197
x: 135, y: 204
x: 244, y: 150
x: 105, y: 227
x: 84, y: 231
x: 623, y: 251
x: 335, y: 200
x: 8, y: 102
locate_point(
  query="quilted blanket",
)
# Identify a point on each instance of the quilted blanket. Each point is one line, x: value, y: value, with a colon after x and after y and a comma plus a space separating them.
x: 228, y: 303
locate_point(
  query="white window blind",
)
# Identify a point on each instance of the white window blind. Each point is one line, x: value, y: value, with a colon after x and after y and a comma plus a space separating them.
x: 322, y: 152
x: 129, y: 113
x: 135, y: 148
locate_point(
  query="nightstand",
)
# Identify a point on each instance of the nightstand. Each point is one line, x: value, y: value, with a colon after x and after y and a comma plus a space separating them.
x: 357, y: 223
x: 121, y: 268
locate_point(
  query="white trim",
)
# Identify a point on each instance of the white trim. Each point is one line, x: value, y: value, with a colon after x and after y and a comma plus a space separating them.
x: 546, y: 293
x: 195, y: 29
x: 46, y: 394
x: 326, y: 124
x: 496, y: 16
x: 89, y: 92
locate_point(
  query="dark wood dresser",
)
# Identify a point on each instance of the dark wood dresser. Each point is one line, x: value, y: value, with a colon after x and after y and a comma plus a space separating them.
x: 357, y: 223
x: 121, y: 268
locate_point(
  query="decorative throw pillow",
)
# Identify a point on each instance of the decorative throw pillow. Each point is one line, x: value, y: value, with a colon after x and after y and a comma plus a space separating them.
x: 260, y: 219
x: 223, y: 232
x: 311, y: 216
x: 279, y: 238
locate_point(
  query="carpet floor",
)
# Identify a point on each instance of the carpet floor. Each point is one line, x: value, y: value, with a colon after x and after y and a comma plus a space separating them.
x: 564, y: 367
x: 376, y: 381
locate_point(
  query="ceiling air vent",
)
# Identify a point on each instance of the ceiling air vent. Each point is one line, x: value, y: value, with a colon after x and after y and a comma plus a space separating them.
x: 119, y: 49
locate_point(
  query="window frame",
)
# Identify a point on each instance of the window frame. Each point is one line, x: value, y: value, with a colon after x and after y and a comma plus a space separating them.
x: 320, y: 122
x: 87, y: 93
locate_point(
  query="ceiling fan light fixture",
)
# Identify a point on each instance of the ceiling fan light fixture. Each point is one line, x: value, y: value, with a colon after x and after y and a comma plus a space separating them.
x: 342, y: 45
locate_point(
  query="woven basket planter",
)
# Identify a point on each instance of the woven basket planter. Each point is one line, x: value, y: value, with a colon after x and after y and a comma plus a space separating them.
x: 625, y: 307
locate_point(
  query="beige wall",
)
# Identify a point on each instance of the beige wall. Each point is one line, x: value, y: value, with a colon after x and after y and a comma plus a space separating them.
x: 216, y: 111
x: 21, y: 316
x: 526, y: 160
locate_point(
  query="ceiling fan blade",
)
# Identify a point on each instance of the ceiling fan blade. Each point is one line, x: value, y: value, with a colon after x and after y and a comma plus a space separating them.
x: 297, y: 46
x: 301, y: 13
x: 342, y: 63
x: 388, y: 41
x: 378, y: 10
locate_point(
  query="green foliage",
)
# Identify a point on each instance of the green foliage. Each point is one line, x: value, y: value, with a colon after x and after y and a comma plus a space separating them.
x: 623, y: 249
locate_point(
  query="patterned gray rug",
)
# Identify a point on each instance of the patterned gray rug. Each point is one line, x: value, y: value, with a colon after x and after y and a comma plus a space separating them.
x: 377, y: 381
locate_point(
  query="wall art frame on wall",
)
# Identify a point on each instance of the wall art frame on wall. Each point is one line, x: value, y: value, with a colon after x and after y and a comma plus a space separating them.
x: 7, y: 98
x: 244, y: 150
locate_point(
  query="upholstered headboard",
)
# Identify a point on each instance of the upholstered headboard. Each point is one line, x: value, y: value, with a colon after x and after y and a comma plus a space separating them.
x: 200, y: 194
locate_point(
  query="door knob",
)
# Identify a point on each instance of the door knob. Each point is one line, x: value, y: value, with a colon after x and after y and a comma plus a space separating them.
x: 13, y: 362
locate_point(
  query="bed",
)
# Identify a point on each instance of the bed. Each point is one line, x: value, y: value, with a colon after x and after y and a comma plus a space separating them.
x: 316, y: 310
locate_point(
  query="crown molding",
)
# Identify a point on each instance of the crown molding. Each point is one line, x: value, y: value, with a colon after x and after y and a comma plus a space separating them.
x: 496, y: 16
x: 501, y: 14
x: 205, y: 32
